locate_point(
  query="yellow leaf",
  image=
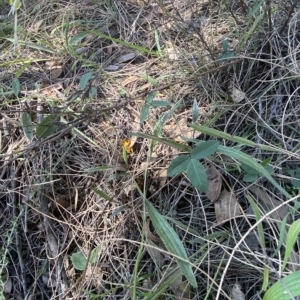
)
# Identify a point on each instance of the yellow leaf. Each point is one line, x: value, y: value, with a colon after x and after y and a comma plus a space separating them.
x: 126, y: 144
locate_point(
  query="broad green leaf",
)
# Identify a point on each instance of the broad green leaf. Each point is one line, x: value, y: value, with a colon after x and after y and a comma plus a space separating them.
x: 225, y: 45
x: 160, y: 103
x: 92, y: 92
x: 47, y: 127
x: 16, y: 86
x: 223, y: 135
x: 291, y: 239
x: 249, y: 169
x: 250, y: 161
x: 27, y: 125
x: 84, y: 80
x: 205, y: 149
x: 144, y: 113
x: 195, y: 111
x: 172, y: 242
x: 79, y: 261
x: 95, y: 254
x: 197, y: 175
x: 171, y: 143
x: 178, y: 165
x: 250, y: 177
x: 150, y: 97
x: 284, y: 289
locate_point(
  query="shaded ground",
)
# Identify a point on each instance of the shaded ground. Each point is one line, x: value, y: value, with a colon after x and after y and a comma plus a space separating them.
x: 79, y: 183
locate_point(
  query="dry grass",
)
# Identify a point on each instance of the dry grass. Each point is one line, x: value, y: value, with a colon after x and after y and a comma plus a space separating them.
x: 49, y: 200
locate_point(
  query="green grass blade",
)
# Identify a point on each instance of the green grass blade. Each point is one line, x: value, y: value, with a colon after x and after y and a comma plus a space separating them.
x: 250, y: 161
x: 229, y: 137
x: 291, y: 239
x: 171, y: 242
x: 284, y: 289
x: 171, y: 143
x: 128, y: 44
x: 258, y: 217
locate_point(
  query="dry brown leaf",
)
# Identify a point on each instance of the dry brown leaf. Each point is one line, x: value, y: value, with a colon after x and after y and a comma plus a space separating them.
x: 55, y: 72
x: 174, y: 131
x: 156, y: 255
x: 129, y: 80
x: 181, y: 289
x: 236, y: 293
x: 214, y: 184
x: 149, y: 234
x: 237, y: 95
x: 271, y: 203
x: 226, y: 207
x: 126, y: 57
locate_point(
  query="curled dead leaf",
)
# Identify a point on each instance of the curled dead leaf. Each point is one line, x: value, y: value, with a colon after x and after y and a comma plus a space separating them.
x: 226, y: 207
x: 214, y: 184
x: 236, y: 293
x: 129, y: 80
x: 269, y: 203
x: 126, y: 57
x: 237, y: 95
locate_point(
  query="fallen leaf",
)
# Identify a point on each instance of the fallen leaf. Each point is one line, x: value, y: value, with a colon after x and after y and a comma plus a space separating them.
x: 266, y: 200
x: 55, y: 72
x: 129, y: 80
x: 126, y: 144
x: 175, y: 131
x: 237, y: 95
x: 236, y: 293
x: 126, y: 57
x: 181, y: 289
x: 226, y: 207
x: 149, y: 234
x: 214, y: 184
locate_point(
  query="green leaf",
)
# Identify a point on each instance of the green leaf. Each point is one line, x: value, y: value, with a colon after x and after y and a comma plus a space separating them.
x: 171, y: 242
x: 150, y: 97
x: 249, y: 169
x: 250, y: 161
x: 102, y: 194
x: 79, y: 261
x: 144, y: 113
x: 195, y: 111
x: 250, y: 177
x: 225, y: 45
x: 95, y: 254
x: 160, y: 103
x: 84, y: 80
x: 284, y: 289
x: 16, y: 86
x: 103, y: 168
x: 76, y: 39
x: 92, y: 92
x: 256, y: 7
x: 258, y: 218
x: 178, y: 165
x: 171, y: 143
x: 27, y: 125
x: 47, y: 127
x: 223, y: 135
x: 291, y: 239
x: 197, y: 175
x: 205, y: 149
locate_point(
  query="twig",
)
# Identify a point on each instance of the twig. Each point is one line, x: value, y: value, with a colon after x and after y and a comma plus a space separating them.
x: 288, y: 17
